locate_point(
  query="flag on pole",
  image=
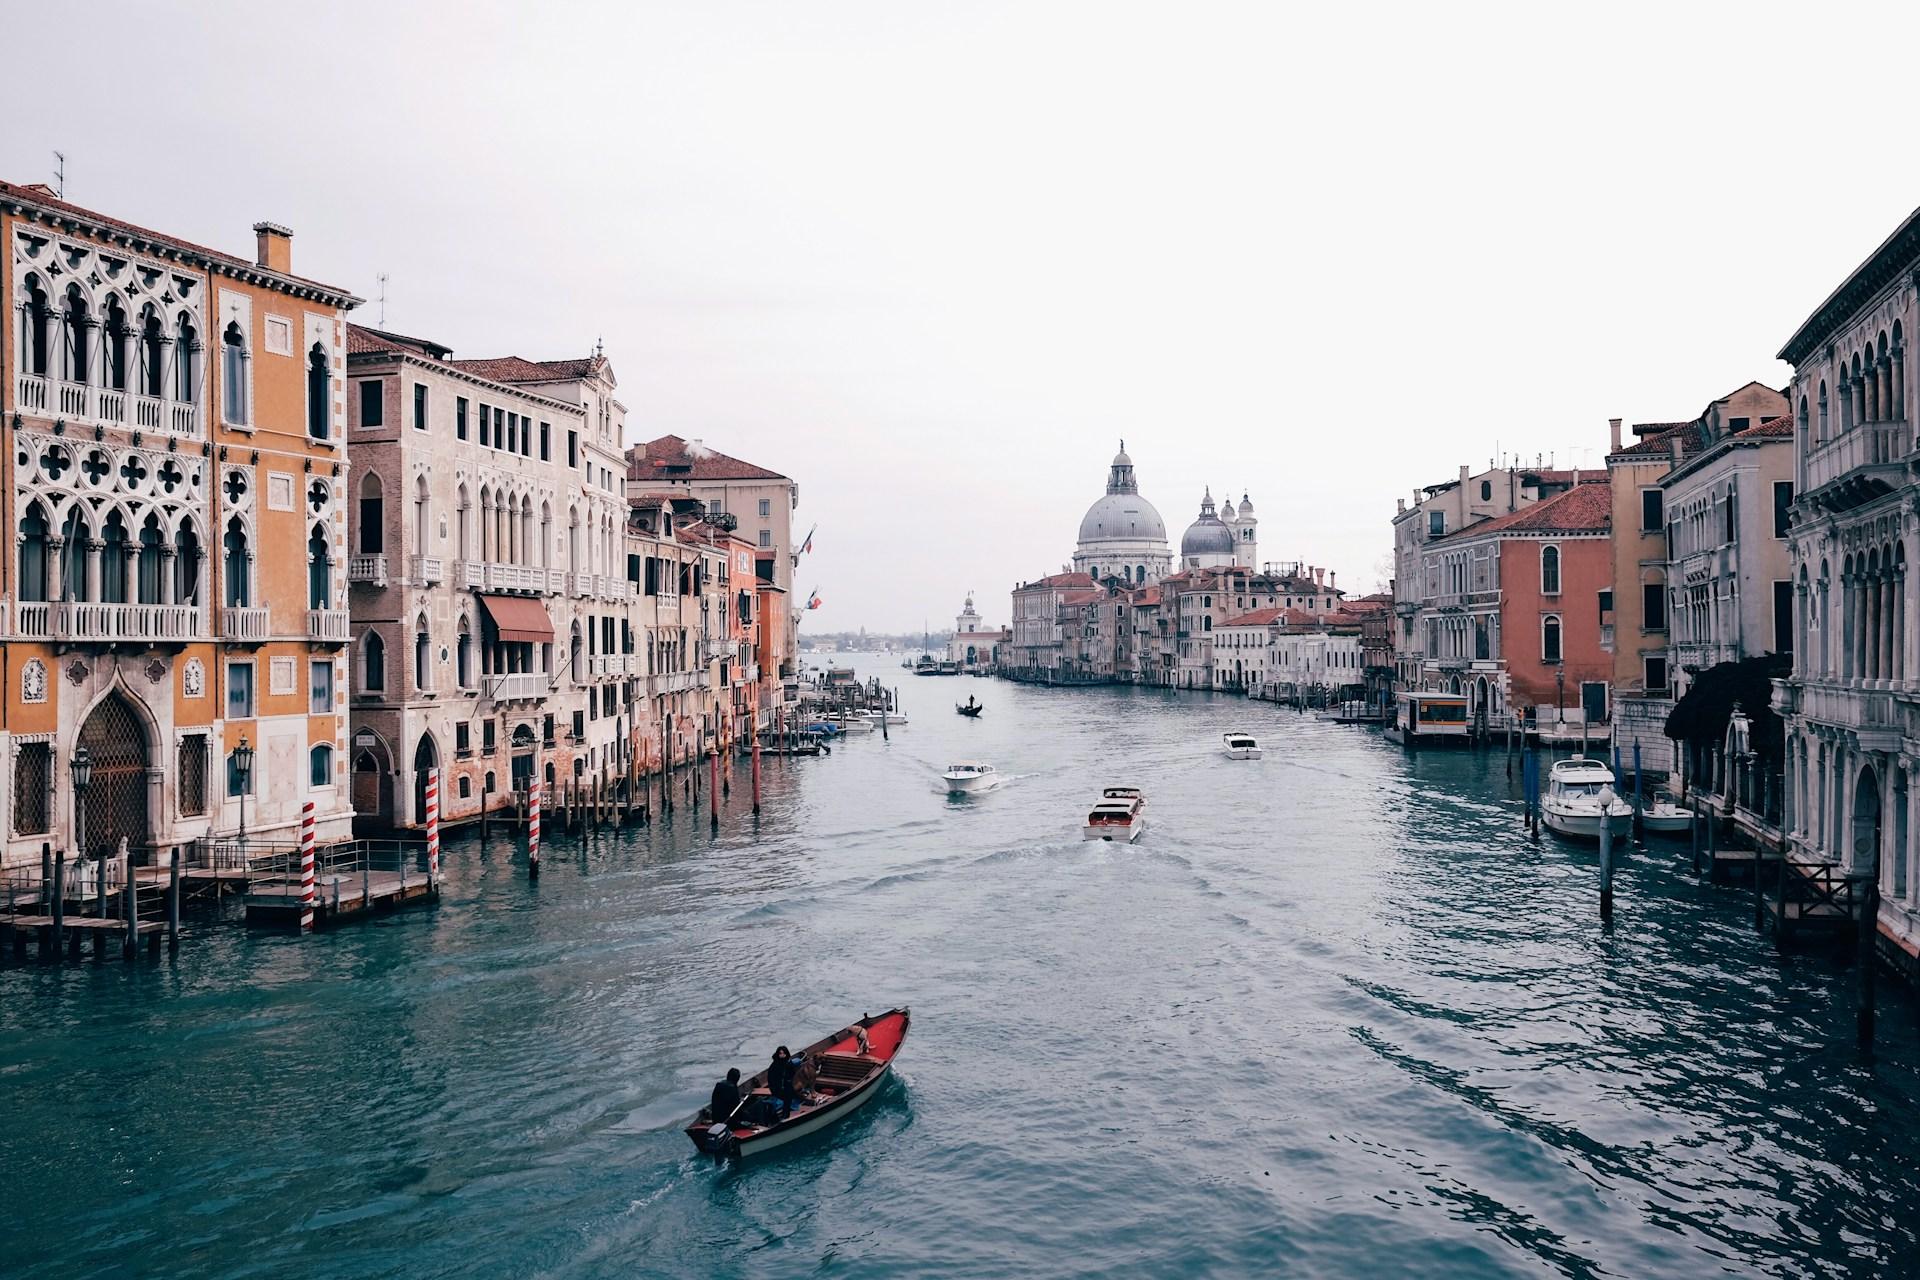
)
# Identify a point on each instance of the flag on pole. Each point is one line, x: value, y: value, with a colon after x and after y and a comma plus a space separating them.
x: 806, y: 544
x: 813, y: 598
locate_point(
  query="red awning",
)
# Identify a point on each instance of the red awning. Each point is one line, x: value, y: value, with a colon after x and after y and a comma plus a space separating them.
x: 519, y: 619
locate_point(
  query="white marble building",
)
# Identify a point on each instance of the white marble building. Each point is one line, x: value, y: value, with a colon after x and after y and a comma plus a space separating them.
x: 1122, y: 535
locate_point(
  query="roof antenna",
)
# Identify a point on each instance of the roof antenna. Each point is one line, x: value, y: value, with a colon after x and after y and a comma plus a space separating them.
x: 60, y: 174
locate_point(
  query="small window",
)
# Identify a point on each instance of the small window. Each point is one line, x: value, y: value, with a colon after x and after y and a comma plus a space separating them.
x: 1652, y: 510
x: 419, y: 406
x: 373, y: 403
x: 32, y: 787
x: 1549, y: 571
x: 460, y: 418
x: 233, y: 383
x: 573, y: 448
x: 1436, y: 523
x: 320, y: 766
x: 766, y: 537
x: 766, y: 508
x: 1783, y: 617
x: 1486, y: 491
x: 1738, y: 424
x: 239, y: 691
x: 193, y: 775
x: 462, y: 739
x: 320, y: 688
x: 1550, y: 638
x: 1655, y: 666
x: 487, y: 736
x: 486, y: 425
x: 546, y: 442
x: 466, y: 787
x: 1606, y: 604
x: 1782, y: 508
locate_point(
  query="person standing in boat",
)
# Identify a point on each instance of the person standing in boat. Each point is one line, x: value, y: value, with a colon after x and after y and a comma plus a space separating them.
x: 726, y: 1097
x: 781, y: 1082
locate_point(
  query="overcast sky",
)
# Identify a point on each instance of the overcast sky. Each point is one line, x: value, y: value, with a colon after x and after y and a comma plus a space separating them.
x: 933, y: 260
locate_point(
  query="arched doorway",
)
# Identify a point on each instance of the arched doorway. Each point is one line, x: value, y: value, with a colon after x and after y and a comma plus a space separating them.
x: 116, y: 801
x: 372, y: 781
x: 1864, y: 848
x: 522, y: 757
x: 426, y: 758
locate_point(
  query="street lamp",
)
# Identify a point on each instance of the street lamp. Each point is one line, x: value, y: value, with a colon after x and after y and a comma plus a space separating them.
x: 243, y: 774
x: 82, y: 767
x: 1560, y: 697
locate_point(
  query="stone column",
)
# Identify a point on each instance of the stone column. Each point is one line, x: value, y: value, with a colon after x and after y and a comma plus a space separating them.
x: 94, y: 548
x: 169, y: 589
x: 1870, y: 626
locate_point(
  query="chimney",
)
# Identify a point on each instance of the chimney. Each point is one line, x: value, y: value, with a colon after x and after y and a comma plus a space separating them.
x: 1614, y: 423
x: 273, y: 247
x: 1332, y: 577
x: 1400, y: 506
x: 1673, y: 448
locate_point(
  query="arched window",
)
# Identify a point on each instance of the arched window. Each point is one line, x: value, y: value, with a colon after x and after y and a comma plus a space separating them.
x: 422, y: 517
x: 373, y: 536
x: 577, y: 656
x: 36, y: 322
x: 1486, y: 490
x: 373, y: 666
x: 319, y: 394
x: 74, y: 536
x: 422, y: 655
x: 33, y: 554
x: 546, y: 536
x: 153, y: 355
x: 1801, y: 421
x: 186, y: 565
x: 186, y: 360
x: 466, y: 787
x: 460, y: 550
x: 153, y: 541
x: 1550, y: 638
x: 1206, y: 623
x: 1139, y: 573
x: 1823, y: 409
x: 319, y: 570
x: 76, y: 338
x: 236, y: 564
x: 320, y: 766
x: 233, y: 375
x: 118, y: 335
x: 1550, y: 570
x: 463, y: 656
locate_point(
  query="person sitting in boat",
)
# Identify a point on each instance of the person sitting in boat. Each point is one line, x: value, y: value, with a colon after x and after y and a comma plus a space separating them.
x: 781, y: 1082
x: 726, y: 1097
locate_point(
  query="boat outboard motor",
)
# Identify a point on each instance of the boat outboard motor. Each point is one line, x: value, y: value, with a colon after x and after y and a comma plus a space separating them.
x: 720, y: 1140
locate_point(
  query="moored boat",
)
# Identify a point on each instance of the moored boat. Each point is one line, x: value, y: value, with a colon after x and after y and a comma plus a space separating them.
x: 1240, y: 746
x: 1580, y: 796
x: 1664, y: 817
x: 839, y: 1074
x: 971, y: 708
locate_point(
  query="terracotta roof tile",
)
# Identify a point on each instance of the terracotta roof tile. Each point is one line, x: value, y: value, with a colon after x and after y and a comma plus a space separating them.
x: 1585, y: 508
x: 519, y: 369
x: 1772, y: 429
x: 672, y: 458
x: 364, y: 341
x: 1063, y: 580
x: 1692, y: 437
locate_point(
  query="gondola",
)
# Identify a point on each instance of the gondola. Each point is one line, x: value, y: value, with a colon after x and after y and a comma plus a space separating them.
x: 839, y: 1074
x: 971, y: 708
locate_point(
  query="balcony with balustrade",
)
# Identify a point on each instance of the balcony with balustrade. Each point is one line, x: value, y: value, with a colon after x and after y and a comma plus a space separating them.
x: 426, y: 570
x: 327, y: 626
x: 368, y: 571
x: 492, y: 575
x: 244, y: 624
x: 1859, y: 464
x: 86, y: 404
x: 518, y: 686
x: 93, y: 622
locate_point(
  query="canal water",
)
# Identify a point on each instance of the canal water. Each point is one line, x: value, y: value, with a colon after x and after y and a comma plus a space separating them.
x: 1333, y: 1016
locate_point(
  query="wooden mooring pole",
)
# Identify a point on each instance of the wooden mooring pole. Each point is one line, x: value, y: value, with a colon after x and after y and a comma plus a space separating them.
x: 129, y: 909
x: 756, y: 763
x: 1606, y: 862
x: 1869, y: 958
x: 173, y: 901
x: 533, y: 828
x: 1639, y: 801
x: 59, y: 904
x: 713, y: 791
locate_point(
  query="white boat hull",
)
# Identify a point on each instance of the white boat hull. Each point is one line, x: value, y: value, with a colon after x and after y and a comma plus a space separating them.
x: 815, y: 1123
x: 969, y: 786
x: 1116, y: 835
x: 1669, y: 822
x: 1243, y: 753
x: 1583, y: 823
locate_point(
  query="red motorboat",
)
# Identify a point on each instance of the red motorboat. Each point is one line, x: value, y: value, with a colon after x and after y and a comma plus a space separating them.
x: 837, y: 1076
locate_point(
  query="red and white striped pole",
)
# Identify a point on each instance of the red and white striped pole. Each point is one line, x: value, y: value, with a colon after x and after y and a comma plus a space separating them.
x: 433, y: 827
x: 534, y: 787
x: 306, y: 867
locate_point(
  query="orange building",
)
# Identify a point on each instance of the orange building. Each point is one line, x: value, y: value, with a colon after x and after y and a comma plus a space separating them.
x: 177, y: 481
x: 1519, y: 609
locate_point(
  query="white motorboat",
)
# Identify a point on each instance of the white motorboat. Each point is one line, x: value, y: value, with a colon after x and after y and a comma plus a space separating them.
x: 890, y: 717
x: 1578, y: 791
x: 1664, y: 817
x: 1240, y: 746
x: 1117, y: 817
x: 968, y: 777
x: 852, y: 722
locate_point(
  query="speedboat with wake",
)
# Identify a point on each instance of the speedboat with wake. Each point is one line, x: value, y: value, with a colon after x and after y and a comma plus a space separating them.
x: 968, y: 777
x: 1240, y: 746
x: 837, y: 1075
x: 1117, y: 817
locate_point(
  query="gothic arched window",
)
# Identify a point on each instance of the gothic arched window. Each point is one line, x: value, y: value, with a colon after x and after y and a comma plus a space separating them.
x: 239, y: 588
x: 233, y: 376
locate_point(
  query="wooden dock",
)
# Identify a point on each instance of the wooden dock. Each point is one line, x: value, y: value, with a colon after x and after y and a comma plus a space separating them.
x: 336, y: 895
